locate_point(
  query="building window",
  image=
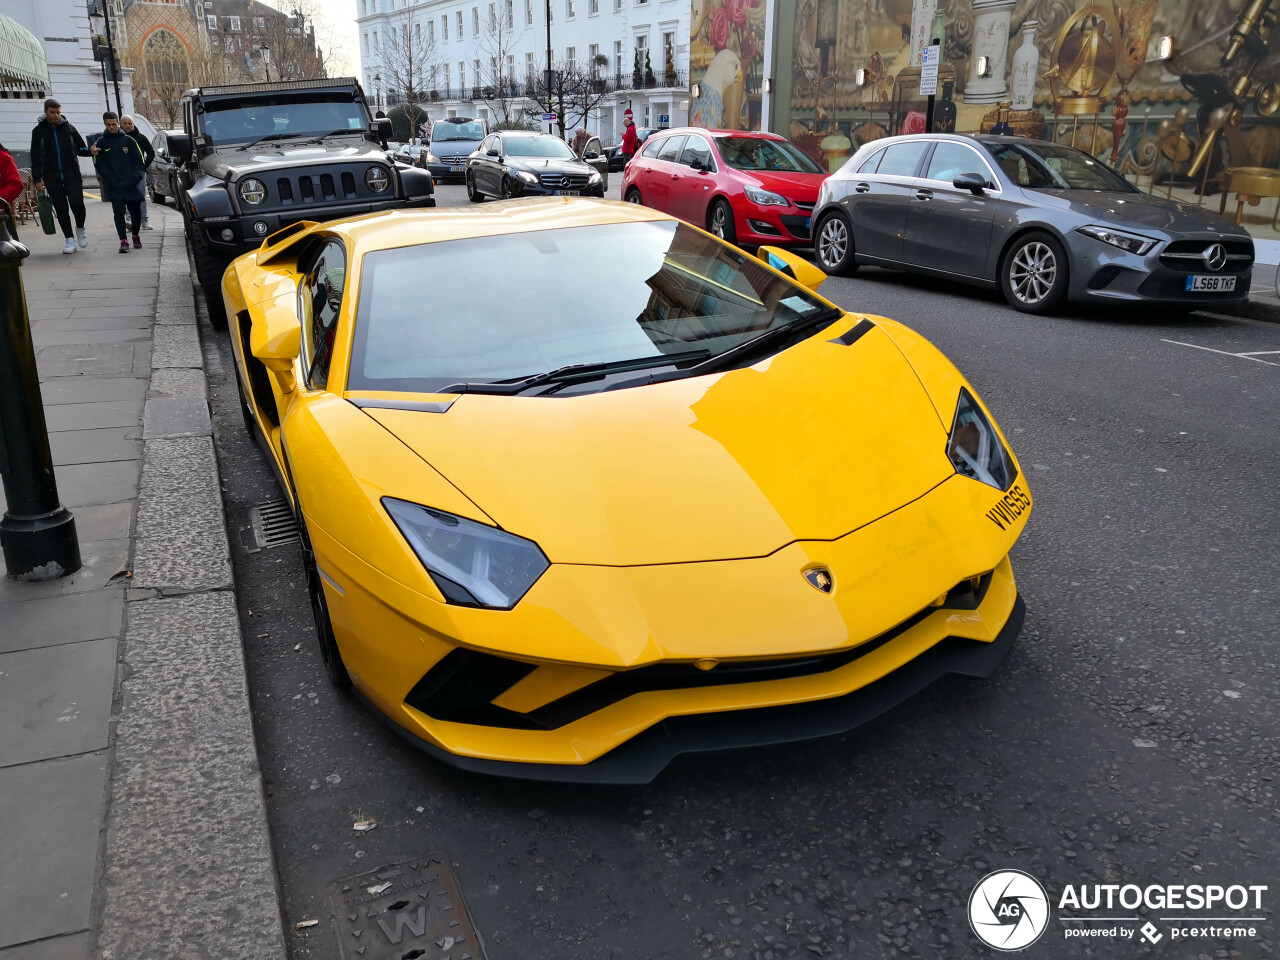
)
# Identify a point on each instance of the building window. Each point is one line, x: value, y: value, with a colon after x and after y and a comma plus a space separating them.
x: 265, y: 54
x: 235, y: 24
x: 475, y: 67
x: 493, y: 17
x: 570, y: 59
x: 528, y: 13
x: 511, y: 15
x: 617, y: 57
x: 444, y: 26
x: 431, y: 31
x: 593, y: 7
x: 259, y: 23
x: 459, y: 24
x: 212, y: 21
x: 462, y: 76
x: 475, y: 21
x: 366, y: 44
x: 417, y: 31
x: 511, y: 69
x: 568, y: 9
x: 530, y: 67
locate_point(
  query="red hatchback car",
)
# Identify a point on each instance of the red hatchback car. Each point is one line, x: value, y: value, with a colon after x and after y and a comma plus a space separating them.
x: 747, y: 188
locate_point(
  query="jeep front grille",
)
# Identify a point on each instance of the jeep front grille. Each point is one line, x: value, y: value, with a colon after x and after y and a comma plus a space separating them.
x: 305, y: 188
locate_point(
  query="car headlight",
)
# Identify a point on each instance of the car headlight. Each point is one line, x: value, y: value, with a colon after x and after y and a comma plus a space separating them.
x: 473, y: 565
x: 1129, y: 242
x: 252, y: 191
x: 431, y: 157
x: 527, y: 177
x: 767, y: 198
x: 975, y: 448
x: 376, y: 179
x: 594, y: 177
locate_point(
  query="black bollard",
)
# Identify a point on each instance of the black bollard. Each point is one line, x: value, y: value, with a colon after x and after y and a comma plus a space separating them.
x: 37, y: 533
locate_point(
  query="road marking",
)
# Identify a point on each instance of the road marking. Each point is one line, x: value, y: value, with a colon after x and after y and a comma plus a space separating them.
x: 1239, y: 356
x: 1256, y: 353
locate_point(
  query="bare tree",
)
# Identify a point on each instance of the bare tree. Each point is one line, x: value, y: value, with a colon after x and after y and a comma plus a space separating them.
x: 577, y: 90
x: 292, y: 50
x: 499, y: 37
x: 405, y: 61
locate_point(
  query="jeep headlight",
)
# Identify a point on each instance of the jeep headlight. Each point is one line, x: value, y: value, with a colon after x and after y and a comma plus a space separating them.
x: 376, y: 179
x: 252, y: 191
x: 473, y: 565
x: 974, y: 447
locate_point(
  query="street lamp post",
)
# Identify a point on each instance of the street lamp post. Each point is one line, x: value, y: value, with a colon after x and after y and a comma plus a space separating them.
x: 550, y: 76
x: 377, y: 91
x: 37, y: 533
x: 265, y: 52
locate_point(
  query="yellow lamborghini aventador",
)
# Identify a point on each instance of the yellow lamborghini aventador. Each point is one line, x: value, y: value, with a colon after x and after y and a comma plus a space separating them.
x: 582, y: 487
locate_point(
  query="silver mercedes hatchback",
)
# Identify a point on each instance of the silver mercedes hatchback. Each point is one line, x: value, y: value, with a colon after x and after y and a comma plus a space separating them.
x: 1042, y: 221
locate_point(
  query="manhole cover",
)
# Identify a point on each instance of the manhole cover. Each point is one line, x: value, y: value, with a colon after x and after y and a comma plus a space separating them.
x: 271, y: 524
x: 411, y: 910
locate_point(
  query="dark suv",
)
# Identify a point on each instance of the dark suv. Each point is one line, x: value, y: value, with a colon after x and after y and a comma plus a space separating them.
x: 253, y: 158
x: 453, y: 139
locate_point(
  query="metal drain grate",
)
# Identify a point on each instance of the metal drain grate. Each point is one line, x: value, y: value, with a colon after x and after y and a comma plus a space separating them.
x: 271, y: 524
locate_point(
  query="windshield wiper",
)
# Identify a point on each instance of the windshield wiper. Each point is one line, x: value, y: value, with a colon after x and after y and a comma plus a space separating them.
x: 572, y: 371
x: 270, y: 136
x: 333, y: 133
x: 764, y: 344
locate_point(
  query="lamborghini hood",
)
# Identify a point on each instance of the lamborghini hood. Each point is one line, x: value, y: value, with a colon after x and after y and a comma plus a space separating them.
x: 807, y: 445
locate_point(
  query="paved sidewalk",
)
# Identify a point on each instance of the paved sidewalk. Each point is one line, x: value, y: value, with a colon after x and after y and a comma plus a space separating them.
x: 130, y: 795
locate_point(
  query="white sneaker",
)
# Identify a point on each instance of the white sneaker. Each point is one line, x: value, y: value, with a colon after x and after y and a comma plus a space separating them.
x: 146, y: 225
x: 82, y: 238
x: 70, y: 247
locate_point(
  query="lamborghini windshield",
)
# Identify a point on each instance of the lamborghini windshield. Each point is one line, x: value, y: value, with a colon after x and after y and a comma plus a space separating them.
x: 632, y: 295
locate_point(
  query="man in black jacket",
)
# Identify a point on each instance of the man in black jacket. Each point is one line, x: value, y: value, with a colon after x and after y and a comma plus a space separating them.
x: 148, y: 154
x: 55, y: 145
x: 119, y: 161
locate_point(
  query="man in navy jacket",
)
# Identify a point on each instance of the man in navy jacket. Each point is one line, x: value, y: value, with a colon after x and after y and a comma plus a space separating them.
x: 120, y: 164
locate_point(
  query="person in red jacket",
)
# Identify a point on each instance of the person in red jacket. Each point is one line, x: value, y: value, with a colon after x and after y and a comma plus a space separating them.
x: 628, y: 142
x: 10, y: 179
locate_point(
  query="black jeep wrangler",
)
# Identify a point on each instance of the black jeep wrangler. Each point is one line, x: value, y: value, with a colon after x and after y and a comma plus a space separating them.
x: 256, y: 157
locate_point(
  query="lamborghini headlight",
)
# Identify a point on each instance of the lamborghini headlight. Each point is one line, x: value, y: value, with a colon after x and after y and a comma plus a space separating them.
x: 474, y: 565
x: 975, y: 448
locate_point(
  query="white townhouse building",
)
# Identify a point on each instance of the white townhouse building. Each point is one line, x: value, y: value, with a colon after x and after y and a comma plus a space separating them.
x: 486, y: 58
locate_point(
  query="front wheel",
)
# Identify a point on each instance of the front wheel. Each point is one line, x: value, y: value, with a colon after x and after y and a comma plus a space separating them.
x: 329, y: 653
x: 507, y: 191
x: 474, y: 195
x: 209, y: 273
x: 1033, y: 274
x: 720, y: 222
x: 633, y: 196
x: 834, y: 245
x: 157, y: 197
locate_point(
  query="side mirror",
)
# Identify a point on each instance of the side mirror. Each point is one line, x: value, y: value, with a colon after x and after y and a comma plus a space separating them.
x: 493, y: 152
x: 382, y: 129
x: 970, y: 181
x: 797, y: 268
x: 179, y: 146
x: 591, y: 155
x: 276, y: 339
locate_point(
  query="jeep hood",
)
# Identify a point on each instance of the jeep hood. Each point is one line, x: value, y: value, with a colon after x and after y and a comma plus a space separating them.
x: 237, y: 162
x: 807, y: 445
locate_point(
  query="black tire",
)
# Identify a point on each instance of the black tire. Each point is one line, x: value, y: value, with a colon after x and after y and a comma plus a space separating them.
x: 246, y: 411
x: 720, y: 221
x: 507, y: 193
x: 157, y: 197
x: 209, y: 270
x: 330, y: 655
x: 833, y: 245
x: 474, y: 195
x: 1033, y: 273
x: 633, y: 196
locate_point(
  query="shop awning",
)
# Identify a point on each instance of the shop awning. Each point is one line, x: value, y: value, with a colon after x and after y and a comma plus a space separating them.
x: 22, y: 60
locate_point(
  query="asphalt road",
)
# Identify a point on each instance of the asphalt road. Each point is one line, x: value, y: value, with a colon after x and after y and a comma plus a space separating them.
x: 1131, y: 737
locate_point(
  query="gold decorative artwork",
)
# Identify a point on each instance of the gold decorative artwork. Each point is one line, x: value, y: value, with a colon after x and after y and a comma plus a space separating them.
x: 1084, y: 61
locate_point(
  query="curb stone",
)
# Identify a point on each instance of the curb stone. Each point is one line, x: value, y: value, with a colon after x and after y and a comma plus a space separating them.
x: 188, y: 868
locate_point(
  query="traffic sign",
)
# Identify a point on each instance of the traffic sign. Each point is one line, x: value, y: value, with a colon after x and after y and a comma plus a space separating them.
x: 627, y: 114
x: 548, y: 118
x: 929, y: 70
x: 664, y: 118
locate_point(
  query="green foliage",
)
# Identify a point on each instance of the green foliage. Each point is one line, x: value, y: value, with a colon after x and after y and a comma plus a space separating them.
x: 515, y: 125
x: 637, y: 74
x: 649, y: 79
x: 401, y: 119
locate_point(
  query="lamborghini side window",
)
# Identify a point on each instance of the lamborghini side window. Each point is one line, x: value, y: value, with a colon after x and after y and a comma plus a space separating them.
x: 324, y: 274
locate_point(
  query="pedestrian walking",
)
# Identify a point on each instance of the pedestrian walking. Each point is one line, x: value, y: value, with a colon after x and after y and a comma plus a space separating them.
x: 55, y: 145
x: 119, y: 161
x: 628, y: 141
x: 148, y: 154
x: 10, y: 178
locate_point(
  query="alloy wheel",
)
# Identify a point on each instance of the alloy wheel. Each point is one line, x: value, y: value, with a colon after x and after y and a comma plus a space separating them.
x: 833, y: 242
x: 1032, y: 272
x: 718, y: 221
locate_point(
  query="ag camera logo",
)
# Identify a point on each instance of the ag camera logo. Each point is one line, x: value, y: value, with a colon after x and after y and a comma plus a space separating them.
x: 1008, y: 910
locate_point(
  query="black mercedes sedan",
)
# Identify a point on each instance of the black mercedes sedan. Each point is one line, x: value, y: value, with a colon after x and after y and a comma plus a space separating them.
x: 1042, y: 222
x: 518, y: 163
